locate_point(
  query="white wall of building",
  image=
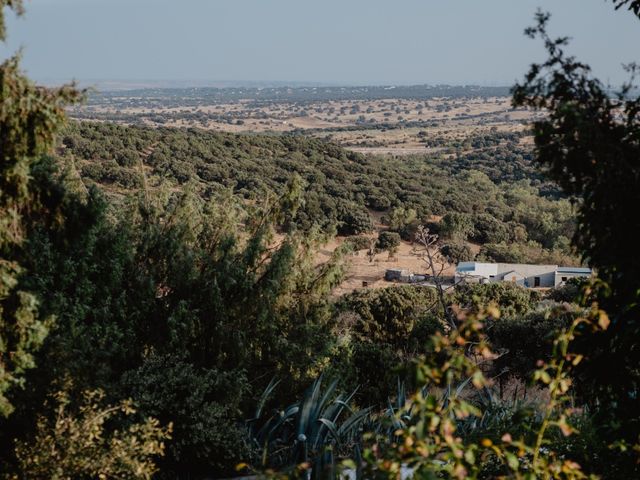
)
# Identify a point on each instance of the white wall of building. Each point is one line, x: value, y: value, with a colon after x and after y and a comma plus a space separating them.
x: 522, y: 274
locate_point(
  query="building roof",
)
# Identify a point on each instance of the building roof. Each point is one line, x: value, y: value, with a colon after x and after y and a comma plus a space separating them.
x: 465, y: 268
x: 573, y: 270
x: 512, y: 273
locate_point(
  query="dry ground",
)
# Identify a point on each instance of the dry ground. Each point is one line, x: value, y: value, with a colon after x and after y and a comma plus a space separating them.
x: 452, y: 118
x: 362, y: 268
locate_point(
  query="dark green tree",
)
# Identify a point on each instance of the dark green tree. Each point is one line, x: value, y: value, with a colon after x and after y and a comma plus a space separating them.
x: 389, y: 241
x: 30, y: 116
x: 589, y: 142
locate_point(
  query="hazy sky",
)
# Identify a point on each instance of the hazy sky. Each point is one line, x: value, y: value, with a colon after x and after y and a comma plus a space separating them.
x: 326, y: 41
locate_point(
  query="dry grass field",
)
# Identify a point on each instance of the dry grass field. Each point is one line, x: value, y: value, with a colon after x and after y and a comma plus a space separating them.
x: 390, y: 126
x: 363, y: 271
x: 368, y: 272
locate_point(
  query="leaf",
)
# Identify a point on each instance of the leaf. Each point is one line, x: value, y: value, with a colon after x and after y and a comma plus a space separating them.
x: 564, y: 427
x: 332, y: 428
x: 603, y: 320
x: 512, y: 461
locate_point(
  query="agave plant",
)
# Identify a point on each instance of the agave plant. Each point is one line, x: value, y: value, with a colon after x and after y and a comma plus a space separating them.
x: 401, y: 409
x: 498, y: 416
x: 317, y: 431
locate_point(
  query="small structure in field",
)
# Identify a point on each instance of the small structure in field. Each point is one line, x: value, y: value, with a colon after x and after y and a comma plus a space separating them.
x: 403, y: 276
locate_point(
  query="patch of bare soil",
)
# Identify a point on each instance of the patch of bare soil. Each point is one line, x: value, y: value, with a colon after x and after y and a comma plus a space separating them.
x: 368, y: 272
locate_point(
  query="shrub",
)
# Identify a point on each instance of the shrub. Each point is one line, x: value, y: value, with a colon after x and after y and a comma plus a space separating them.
x: 487, y: 229
x: 389, y: 241
x: 456, y: 226
x: 354, y: 221
x: 569, y: 292
x: 374, y: 365
x: 203, y: 405
x: 456, y: 252
x: 510, y: 298
x: 359, y: 242
x: 524, y: 339
x: 90, y: 443
x: 388, y: 315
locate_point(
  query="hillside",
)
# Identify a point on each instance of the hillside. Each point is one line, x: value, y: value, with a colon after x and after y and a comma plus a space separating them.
x: 489, y: 193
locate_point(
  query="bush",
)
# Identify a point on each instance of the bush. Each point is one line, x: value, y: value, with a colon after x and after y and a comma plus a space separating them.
x: 128, y: 158
x: 91, y: 442
x: 487, y: 229
x: 203, y: 405
x: 569, y: 292
x: 375, y: 373
x: 359, y: 242
x: 354, y: 221
x: 388, y: 315
x: 456, y: 252
x: 389, y: 241
x: 456, y: 226
x: 512, y: 299
x: 524, y: 340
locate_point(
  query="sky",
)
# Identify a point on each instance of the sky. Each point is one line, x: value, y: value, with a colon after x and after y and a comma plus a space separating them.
x: 347, y: 42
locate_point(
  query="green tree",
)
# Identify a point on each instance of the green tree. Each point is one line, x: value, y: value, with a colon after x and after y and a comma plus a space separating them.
x: 389, y: 241
x: 456, y: 226
x: 389, y: 315
x: 513, y: 300
x: 456, y: 252
x: 30, y: 116
x: 589, y: 142
x: 179, y: 304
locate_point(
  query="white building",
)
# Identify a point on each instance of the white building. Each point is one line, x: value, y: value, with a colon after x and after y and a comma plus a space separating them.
x: 530, y: 276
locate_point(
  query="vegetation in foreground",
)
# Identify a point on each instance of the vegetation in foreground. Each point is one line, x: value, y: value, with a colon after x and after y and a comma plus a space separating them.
x: 183, y: 303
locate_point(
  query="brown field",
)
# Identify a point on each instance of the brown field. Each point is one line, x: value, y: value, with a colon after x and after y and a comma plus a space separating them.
x: 361, y: 269
x: 364, y: 269
x: 376, y: 126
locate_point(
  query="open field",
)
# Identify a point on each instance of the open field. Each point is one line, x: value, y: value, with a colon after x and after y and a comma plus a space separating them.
x: 378, y: 123
x: 363, y: 269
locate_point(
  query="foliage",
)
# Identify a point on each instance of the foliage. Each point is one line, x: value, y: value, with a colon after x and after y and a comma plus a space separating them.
x: 359, y: 242
x: 90, y: 444
x: 402, y: 220
x: 456, y: 252
x: 487, y: 229
x: 456, y: 226
x: 203, y: 405
x: 353, y: 221
x: 525, y: 338
x: 388, y: 315
x: 633, y: 5
x: 570, y: 291
x: 428, y: 443
x: 171, y: 278
x: 513, y: 300
x: 589, y: 142
x: 389, y: 241
x: 530, y: 252
x: 29, y: 118
x: 313, y: 433
x: 17, y: 6
x: 387, y: 327
x: 583, y: 124
x: 169, y: 289
x: 340, y: 186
